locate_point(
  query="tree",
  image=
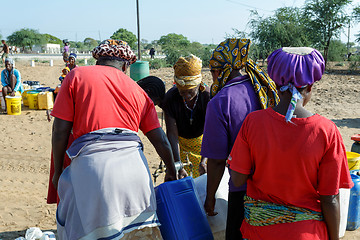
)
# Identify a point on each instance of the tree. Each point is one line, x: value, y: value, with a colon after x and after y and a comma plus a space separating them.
x: 174, y: 46
x: 173, y: 39
x: 26, y: 38
x: 356, y: 15
x: 284, y: 29
x: 90, y: 43
x: 51, y: 39
x: 337, y: 51
x: 127, y: 36
x: 325, y: 20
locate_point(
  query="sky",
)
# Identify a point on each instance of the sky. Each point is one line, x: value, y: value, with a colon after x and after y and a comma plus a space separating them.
x: 204, y: 21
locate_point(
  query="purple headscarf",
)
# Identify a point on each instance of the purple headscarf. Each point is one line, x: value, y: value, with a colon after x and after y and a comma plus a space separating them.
x: 291, y: 68
x: 299, y: 66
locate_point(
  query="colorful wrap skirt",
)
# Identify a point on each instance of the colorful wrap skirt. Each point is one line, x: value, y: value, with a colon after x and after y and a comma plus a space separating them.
x: 261, y: 213
x: 190, y: 149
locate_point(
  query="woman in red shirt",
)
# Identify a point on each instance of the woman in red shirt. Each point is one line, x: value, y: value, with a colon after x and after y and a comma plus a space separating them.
x: 293, y: 161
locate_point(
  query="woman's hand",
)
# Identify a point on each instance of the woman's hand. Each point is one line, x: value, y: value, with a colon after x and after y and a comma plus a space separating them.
x: 182, y: 173
x: 202, y: 168
x: 55, y: 179
x: 169, y: 177
x: 12, y: 93
x: 209, y: 206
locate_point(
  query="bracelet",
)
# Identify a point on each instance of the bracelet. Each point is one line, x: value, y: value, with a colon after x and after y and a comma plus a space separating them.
x: 178, y: 166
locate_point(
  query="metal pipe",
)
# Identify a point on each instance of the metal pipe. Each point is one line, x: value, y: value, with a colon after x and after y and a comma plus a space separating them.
x: 138, y: 29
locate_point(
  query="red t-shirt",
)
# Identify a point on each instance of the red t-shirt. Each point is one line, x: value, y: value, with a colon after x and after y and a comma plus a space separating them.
x: 96, y: 97
x: 292, y: 164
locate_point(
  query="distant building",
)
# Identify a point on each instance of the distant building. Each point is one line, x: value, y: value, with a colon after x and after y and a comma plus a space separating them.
x: 51, y: 48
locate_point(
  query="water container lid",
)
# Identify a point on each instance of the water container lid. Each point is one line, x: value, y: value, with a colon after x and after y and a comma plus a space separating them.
x: 356, y: 137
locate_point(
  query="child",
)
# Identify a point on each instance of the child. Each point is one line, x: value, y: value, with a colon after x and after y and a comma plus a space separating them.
x: 65, y: 71
x: 294, y: 161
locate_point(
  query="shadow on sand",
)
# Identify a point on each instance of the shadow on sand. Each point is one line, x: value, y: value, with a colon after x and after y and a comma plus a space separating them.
x: 347, y: 122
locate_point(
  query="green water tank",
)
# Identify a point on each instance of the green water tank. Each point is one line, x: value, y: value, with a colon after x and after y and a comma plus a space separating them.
x: 139, y: 70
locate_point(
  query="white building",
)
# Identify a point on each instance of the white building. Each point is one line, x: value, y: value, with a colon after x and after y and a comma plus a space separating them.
x: 47, y: 48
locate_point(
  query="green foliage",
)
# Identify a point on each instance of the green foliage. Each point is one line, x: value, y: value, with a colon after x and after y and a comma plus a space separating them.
x: 91, y: 61
x: 284, y: 29
x: 157, y: 63
x: 127, y: 36
x: 90, y: 43
x: 356, y: 16
x: 337, y: 51
x: 26, y: 38
x: 354, y: 63
x: 51, y: 39
x: 173, y: 39
x: 325, y: 21
x: 176, y: 45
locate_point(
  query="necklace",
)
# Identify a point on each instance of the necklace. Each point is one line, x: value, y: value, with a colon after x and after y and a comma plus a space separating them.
x: 191, y: 110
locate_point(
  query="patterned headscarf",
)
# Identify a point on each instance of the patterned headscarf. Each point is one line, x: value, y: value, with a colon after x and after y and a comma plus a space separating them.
x: 73, y: 55
x: 293, y: 68
x: 188, y: 72
x: 232, y: 54
x: 114, y: 49
x: 9, y: 60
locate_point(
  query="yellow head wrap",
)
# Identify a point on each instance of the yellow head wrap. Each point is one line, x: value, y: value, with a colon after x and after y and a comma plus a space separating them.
x: 232, y: 54
x: 188, y: 72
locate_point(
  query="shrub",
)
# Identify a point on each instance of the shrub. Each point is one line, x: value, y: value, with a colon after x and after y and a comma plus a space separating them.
x: 354, y: 62
x: 157, y: 63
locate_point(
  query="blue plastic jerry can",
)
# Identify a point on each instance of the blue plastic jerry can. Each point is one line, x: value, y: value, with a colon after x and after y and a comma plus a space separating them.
x: 353, y: 221
x: 180, y: 213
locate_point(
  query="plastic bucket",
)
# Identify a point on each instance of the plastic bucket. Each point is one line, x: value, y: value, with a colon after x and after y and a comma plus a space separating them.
x: 24, y: 97
x: 139, y: 70
x: 32, y: 98
x: 13, y: 105
x: 353, y: 160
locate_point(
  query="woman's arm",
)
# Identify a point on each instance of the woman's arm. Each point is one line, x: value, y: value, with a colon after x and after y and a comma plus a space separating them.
x: 215, y: 171
x: 18, y: 80
x: 162, y: 146
x: 60, y: 136
x: 238, y: 179
x: 331, y: 211
x: 172, y: 135
x: 3, y: 83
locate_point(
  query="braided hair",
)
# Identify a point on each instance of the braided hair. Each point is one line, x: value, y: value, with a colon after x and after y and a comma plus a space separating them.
x: 154, y: 87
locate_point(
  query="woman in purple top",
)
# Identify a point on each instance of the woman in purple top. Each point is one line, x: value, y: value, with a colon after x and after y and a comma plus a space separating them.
x: 66, y: 51
x: 234, y: 97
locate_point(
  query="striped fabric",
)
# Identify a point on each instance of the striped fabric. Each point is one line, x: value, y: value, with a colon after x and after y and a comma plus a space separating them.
x: 261, y: 213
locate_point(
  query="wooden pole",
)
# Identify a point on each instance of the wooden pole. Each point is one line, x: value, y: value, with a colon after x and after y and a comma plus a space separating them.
x: 138, y: 29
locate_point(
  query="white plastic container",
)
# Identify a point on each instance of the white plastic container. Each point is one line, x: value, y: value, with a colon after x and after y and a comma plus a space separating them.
x: 2, y: 101
x: 217, y: 223
x: 344, y: 199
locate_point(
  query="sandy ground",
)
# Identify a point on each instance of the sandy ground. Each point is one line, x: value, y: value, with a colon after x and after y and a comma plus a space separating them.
x: 25, y: 144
